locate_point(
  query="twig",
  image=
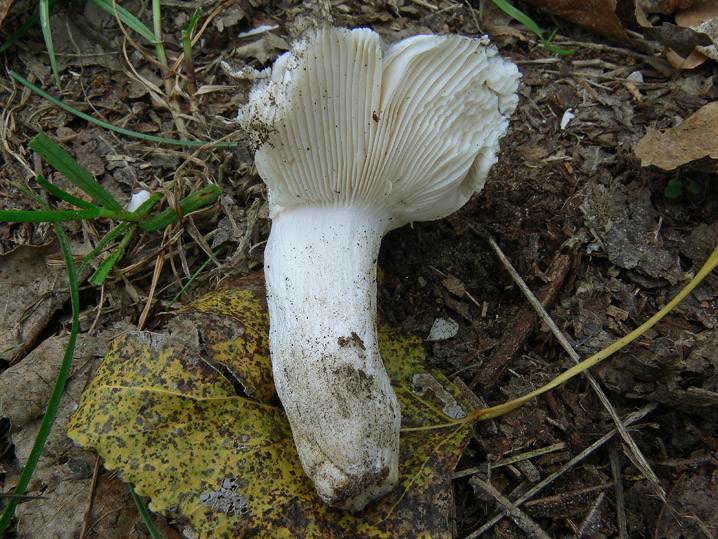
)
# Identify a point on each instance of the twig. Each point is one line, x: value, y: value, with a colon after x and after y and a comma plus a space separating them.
x: 528, y: 455
x: 159, y: 264
x: 618, y: 485
x: 24, y: 497
x: 472, y: 11
x: 524, y: 322
x: 519, y: 517
x: 513, y: 459
x: 589, y: 524
x: 561, y: 498
x: 632, y: 418
x: 641, y: 461
x: 99, y: 309
x: 91, y: 497
x: 425, y: 4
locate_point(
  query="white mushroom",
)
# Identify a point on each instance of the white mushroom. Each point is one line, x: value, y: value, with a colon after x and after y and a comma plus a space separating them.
x: 353, y: 142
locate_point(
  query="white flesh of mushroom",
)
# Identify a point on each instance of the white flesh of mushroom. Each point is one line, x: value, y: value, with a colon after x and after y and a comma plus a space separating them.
x: 352, y: 143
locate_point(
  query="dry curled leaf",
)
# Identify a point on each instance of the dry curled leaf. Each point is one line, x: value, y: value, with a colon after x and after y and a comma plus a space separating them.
x: 4, y: 7
x: 173, y: 425
x: 32, y: 290
x: 692, y: 39
x: 596, y: 15
x: 694, y: 138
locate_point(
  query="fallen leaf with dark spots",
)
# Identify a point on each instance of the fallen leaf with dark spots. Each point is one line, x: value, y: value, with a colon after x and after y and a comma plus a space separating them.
x: 173, y: 425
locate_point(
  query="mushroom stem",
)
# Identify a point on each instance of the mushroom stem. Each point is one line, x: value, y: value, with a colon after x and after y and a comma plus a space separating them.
x: 320, y: 268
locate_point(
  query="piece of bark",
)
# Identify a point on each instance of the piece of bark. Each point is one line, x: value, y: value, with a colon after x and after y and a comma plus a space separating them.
x: 517, y: 333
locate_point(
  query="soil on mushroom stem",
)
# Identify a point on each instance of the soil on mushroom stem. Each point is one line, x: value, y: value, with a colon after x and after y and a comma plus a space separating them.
x: 554, y: 191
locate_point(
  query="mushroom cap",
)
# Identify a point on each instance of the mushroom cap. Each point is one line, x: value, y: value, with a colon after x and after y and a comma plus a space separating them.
x: 410, y: 133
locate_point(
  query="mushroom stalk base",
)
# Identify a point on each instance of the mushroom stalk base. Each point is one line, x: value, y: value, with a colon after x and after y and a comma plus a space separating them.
x: 320, y: 268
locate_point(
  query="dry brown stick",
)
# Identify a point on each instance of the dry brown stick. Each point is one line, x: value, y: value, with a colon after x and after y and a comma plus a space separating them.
x: 93, y: 486
x: 515, y: 337
x: 589, y: 523
x: 521, y: 519
x: 159, y: 264
x: 560, y: 498
x: 641, y: 461
x: 632, y: 418
x: 511, y: 460
x: 620, y: 499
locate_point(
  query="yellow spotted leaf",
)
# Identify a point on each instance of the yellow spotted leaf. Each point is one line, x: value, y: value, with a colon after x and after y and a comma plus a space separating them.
x: 233, y: 326
x: 173, y: 425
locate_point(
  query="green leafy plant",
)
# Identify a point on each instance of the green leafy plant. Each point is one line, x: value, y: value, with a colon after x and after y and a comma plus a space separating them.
x: 676, y: 186
x: 123, y: 15
x: 126, y: 20
x: 113, y: 128
x: 527, y: 21
x: 104, y: 206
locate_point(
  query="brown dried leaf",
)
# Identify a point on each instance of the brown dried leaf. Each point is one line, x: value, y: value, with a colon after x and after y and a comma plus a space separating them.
x: 676, y: 373
x: 681, y: 39
x: 596, y: 15
x: 32, y: 291
x: 664, y: 6
x: 691, y: 39
x: 454, y: 285
x: 693, y: 139
x: 697, y: 13
x: 627, y: 225
x: 695, y: 498
x: 693, y: 60
x: 4, y: 7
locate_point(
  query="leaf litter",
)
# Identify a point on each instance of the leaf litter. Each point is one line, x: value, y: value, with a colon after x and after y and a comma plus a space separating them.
x: 530, y: 204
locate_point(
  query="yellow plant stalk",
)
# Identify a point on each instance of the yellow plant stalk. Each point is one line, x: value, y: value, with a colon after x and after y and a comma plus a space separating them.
x: 495, y: 411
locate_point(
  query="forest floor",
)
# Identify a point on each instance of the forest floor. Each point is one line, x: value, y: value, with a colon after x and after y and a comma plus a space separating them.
x: 589, y: 229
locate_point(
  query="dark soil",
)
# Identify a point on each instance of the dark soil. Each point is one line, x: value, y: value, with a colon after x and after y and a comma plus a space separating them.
x: 571, y: 204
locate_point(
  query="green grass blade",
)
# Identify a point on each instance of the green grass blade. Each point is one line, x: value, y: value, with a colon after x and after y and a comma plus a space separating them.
x: 111, y: 236
x: 58, y: 158
x: 159, y: 43
x: 59, y: 388
x: 44, y: 8
x: 118, y: 231
x: 127, y: 18
x: 193, y: 21
x: 527, y: 21
x: 49, y: 216
x: 195, y: 275
x: 103, y: 270
x: 144, y: 513
x: 23, y: 29
x: 110, y: 127
x: 101, y: 273
x: 62, y: 195
x: 187, y: 205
